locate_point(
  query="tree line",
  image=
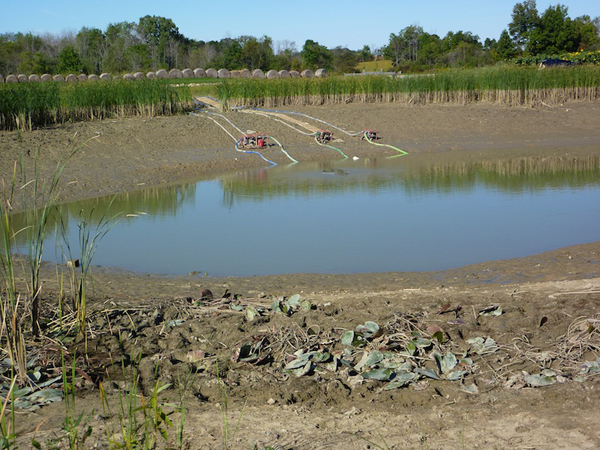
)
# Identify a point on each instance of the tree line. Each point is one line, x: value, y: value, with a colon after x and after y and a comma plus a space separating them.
x: 156, y: 43
x: 528, y: 34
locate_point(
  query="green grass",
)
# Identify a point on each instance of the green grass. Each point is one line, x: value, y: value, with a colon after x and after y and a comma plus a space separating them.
x: 502, y: 84
x: 375, y: 66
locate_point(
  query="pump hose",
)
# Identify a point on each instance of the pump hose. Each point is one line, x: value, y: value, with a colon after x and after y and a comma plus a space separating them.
x: 330, y: 146
x: 310, y: 117
x: 283, y: 149
x: 252, y: 151
x: 366, y: 136
x: 299, y: 131
x: 360, y: 133
x: 237, y: 141
x: 286, y: 124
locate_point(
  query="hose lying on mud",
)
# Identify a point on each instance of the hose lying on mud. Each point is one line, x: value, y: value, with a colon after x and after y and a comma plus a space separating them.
x: 368, y: 139
x: 365, y: 134
x: 315, y: 135
x: 237, y: 141
x: 312, y: 118
x: 329, y: 146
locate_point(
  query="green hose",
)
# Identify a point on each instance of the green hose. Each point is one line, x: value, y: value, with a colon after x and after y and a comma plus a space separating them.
x: 402, y: 152
x: 283, y: 150
x: 330, y: 146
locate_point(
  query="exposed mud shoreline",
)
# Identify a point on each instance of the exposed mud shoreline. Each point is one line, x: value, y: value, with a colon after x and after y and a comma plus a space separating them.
x: 120, y: 155
x: 542, y: 296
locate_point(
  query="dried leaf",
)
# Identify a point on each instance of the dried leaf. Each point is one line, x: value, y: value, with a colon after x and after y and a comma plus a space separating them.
x: 539, y: 380
x: 251, y: 313
x: 491, y: 311
x: 294, y: 300
x: 470, y: 388
x: 195, y: 355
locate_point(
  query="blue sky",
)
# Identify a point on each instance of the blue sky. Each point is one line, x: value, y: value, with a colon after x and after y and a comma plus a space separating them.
x: 350, y: 23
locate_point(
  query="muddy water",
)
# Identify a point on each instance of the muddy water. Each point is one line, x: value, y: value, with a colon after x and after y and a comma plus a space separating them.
x: 413, y: 213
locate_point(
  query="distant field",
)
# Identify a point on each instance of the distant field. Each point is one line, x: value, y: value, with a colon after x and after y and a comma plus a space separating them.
x: 375, y: 66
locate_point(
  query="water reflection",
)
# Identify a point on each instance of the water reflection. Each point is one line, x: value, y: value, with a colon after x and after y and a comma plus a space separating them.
x: 418, y: 212
x: 152, y: 202
x: 413, y: 175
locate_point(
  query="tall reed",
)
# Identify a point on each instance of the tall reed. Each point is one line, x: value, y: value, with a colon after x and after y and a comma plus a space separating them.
x: 90, y: 235
x: 503, y: 84
x: 29, y: 105
x: 11, y: 311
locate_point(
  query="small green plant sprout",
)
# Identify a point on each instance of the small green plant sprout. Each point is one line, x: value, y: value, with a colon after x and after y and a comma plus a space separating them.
x: 361, y: 335
x: 227, y: 433
x: 7, y: 427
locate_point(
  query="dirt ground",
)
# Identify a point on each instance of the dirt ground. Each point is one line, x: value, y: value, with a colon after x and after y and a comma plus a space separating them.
x: 225, y: 356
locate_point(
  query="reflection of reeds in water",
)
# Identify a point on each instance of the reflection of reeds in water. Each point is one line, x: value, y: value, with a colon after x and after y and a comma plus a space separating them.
x: 503, y: 85
x: 516, y: 174
x: 165, y: 201
x: 511, y: 174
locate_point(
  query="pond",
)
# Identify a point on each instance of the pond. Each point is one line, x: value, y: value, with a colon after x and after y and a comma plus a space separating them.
x: 415, y: 213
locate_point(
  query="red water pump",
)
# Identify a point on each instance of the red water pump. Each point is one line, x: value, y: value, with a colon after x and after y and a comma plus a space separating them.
x: 256, y: 140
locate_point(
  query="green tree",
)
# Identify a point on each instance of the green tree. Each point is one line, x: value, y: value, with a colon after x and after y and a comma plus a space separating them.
x: 287, y: 56
x: 588, y: 33
x: 35, y: 63
x: 430, y: 49
x: 404, y: 46
x: 525, y: 19
x: 365, y: 54
x: 160, y: 35
x: 120, y: 37
x: 453, y: 40
x: 232, y: 57
x: 69, y: 61
x: 555, y: 33
x: 138, y: 57
x: 315, y: 56
x: 344, y: 60
x: 462, y: 49
x: 505, y: 48
x: 91, y: 46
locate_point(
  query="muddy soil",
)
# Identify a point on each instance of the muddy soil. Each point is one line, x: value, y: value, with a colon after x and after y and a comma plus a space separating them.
x: 225, y: 356
x: 119, y: 155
